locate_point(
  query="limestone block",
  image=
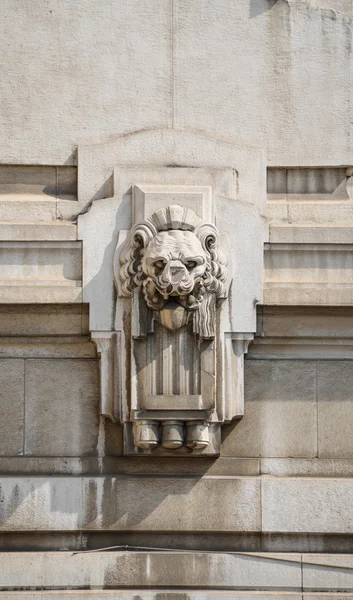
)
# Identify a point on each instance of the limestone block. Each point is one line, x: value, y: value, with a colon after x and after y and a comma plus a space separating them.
x: 21, y: 208
x: 288, y: 88
x: 11, y: 406
x: 335, y: 412
x: 328, y: 572
x: 52, y: 347
x: 302, y: 348
x: 129, y: 82
x: 124, y: 503
x: 305, y: 322
x: 302, y: 264
x: 61, y: 398
x: 171, y: 504
x: 337, y: 212
x: 41, y: 271
x: 311, y: 234
x: 43, y: 320
x: 294, y: 294
x: 40, y: 294
x: 43, y: 261
x: 152, y: 570
x: 308, y: 274
x: 277, y: 211
x: 19, y: 232
x: 303, y: 467
x: 280, y: 411
x: 307, y: 505
x: 40, y: 504
x: 286, y: 62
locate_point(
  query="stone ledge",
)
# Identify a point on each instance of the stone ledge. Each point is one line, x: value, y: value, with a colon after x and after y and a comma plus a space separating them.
x: 138, y: 594
x: 38, y: 231
x: 41, y: 294
x: 310, y: 234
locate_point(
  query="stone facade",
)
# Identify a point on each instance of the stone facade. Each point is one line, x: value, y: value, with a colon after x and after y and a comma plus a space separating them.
x: 174, y: 426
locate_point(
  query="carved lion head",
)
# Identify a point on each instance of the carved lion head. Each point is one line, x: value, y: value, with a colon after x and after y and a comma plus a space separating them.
x: 173, y: 256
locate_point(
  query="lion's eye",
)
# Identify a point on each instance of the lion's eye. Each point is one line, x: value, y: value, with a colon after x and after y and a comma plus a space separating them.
x: 191, y: 264
x: 159, y: 264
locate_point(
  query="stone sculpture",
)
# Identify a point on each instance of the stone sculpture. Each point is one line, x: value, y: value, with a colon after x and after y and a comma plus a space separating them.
x: 172, y: 267
x: 174, y: 259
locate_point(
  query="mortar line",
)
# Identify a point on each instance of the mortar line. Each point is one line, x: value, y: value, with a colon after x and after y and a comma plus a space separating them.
x: 172, y: 57
x: 24, y: 408
x: 56, y: 191
x: 261, y: 519
x: 317, y: 409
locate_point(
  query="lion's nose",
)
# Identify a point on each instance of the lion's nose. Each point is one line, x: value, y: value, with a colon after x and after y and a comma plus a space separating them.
x: 176, y: 271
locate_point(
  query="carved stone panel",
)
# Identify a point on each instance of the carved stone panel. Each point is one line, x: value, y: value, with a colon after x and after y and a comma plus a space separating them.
x: 172, y: 270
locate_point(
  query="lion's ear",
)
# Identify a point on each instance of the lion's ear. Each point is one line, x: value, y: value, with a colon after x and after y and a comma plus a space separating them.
x: 208, y: 236
x: 130, y: 255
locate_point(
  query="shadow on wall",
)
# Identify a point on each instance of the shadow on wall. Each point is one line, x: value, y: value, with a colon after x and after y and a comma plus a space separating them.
x: 115, y: 503
x: 258, y: 7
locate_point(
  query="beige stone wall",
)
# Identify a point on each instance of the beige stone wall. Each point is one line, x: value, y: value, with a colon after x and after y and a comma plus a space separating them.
x: 272, y: 515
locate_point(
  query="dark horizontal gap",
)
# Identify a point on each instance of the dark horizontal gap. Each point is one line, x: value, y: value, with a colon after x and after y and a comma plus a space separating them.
x: 197, y: 542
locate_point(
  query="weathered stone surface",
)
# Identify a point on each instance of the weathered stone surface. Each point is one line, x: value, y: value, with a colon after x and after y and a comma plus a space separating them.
x: 307, y: 505
x: 218, y: 504
x: 11, y: 406
x: 19, y: 232
x: 124, y: 97
x: 130, y: 504
x: 311, y: 234
x: 303, y: 467
x: 39, y: 504
x: 61, y: 398
x: 113, y: 464
x: 288, y: 88
x: 280, y: 411
x: 43, y: 320
x: 308, y: 274
x: 286, y: 59
x: 305, y: 322
x: 52, y: 347
x: 335, y: 412
x: 325, y: 572
x: 150, y: 570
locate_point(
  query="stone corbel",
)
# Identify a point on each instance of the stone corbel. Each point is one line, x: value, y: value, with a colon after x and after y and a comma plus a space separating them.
x: 104, y: 341
x: 235, y: 347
